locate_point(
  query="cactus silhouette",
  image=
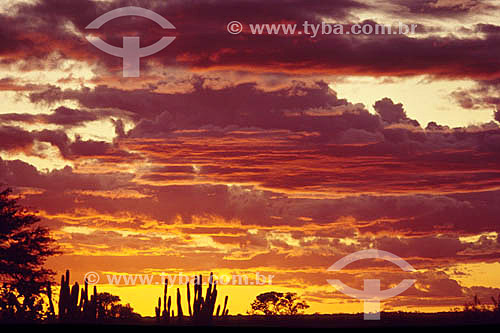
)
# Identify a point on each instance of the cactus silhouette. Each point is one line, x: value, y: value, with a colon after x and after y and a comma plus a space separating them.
x: 179, y: 306
x: 200, y: 309
x: 165, y: 314
x: 70, y: 308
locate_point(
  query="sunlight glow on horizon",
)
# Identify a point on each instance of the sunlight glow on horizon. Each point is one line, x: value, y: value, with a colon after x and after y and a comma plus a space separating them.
x: 423, y: 99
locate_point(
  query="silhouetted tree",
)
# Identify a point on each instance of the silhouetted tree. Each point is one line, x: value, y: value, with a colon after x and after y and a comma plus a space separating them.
x: 291, y: 304
x: 275, y: 303
x: 24, y: 248
x: 121, y: 311
x: 109, y: 307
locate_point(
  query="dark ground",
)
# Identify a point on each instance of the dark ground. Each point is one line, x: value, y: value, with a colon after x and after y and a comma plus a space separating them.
x: 388, y: 320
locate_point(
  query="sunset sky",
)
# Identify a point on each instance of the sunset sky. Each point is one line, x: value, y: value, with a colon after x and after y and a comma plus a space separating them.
x: 277, y: 154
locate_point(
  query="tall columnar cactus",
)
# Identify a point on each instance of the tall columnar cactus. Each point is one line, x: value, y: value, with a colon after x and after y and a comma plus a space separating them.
x: 203, y: 308
x: 89, y: 307
x: 69, y: 306
x: 64, y: 296
x: 200, y: 309
x: 74, y: 309
x: 166, y: 304
x: 225, y: 310
x: 158, y: 309
x: 165, y: 315
x: 179, y: 305
x: 189, y: 300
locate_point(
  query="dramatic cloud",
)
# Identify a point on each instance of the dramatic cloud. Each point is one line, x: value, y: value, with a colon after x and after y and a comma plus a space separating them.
x: 50, y: 31
x: 239, y: 153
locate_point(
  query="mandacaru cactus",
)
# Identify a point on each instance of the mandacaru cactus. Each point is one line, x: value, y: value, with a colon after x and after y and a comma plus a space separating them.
x: 165, y: 315
x: 201, y: 309
x: 70, y: 308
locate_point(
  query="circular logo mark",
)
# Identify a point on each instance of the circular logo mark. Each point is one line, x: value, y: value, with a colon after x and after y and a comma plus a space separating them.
x: 234, y: 27
x: 92, y: 278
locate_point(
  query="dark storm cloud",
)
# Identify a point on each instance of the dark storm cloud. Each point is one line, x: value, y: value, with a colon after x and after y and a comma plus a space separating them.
x: 203, y: 42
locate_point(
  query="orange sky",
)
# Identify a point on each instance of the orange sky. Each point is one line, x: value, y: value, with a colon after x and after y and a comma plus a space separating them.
x: 249, y: 153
